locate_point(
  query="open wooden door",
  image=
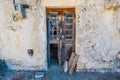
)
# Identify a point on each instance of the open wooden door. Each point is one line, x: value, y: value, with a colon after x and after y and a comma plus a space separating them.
x: 61, y: 33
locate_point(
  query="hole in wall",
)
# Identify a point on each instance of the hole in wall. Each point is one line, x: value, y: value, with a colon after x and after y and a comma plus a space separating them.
x: 30, y: 52
x: 118, y: 56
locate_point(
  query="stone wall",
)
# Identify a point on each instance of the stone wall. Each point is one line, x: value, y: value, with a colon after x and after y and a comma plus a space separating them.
x: 97, y: 33
x: 16, y: 37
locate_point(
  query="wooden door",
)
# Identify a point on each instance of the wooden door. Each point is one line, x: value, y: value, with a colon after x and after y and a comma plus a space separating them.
x: 61, y: 31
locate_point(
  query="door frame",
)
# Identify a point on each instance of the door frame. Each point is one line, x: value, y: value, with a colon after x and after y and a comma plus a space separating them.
x: 48, y: 46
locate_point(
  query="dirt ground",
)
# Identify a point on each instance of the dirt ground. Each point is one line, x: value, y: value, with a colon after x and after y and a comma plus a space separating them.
x: 56, y: 73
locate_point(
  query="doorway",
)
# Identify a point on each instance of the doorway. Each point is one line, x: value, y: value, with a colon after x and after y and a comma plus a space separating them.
x: 60, y: 34
x: 53, y: 53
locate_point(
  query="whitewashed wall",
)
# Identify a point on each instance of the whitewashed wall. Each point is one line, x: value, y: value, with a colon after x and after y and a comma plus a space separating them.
x: 16, y: 37
x: 98, y: 37
x: 97, y: 34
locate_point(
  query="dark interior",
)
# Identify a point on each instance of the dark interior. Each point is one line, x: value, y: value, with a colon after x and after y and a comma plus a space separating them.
x: 54, y: 52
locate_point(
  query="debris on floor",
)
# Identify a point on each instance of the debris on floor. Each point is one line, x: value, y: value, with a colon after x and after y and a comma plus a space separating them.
x: 39, y: 75
x: 65, y: 66
x: 3, y: 68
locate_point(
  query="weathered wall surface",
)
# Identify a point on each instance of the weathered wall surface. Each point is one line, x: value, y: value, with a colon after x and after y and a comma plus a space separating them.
x: 97, y: 34
x: 58, y: 3
x: 16, y: 37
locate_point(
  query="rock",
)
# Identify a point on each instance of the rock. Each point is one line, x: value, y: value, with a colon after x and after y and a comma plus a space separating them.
x: 3, y: 67
x: 65, y: 66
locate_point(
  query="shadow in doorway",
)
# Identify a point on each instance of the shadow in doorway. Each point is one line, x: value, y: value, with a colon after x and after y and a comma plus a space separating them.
x: 53, y: 54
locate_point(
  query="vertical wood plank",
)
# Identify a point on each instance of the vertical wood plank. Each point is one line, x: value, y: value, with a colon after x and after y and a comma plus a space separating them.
x: 71, y: 59
x: 72, y: 68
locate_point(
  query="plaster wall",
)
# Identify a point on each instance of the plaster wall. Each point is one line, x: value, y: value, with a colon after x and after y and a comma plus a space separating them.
x: 16, y: 37
x: 97, y: 34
